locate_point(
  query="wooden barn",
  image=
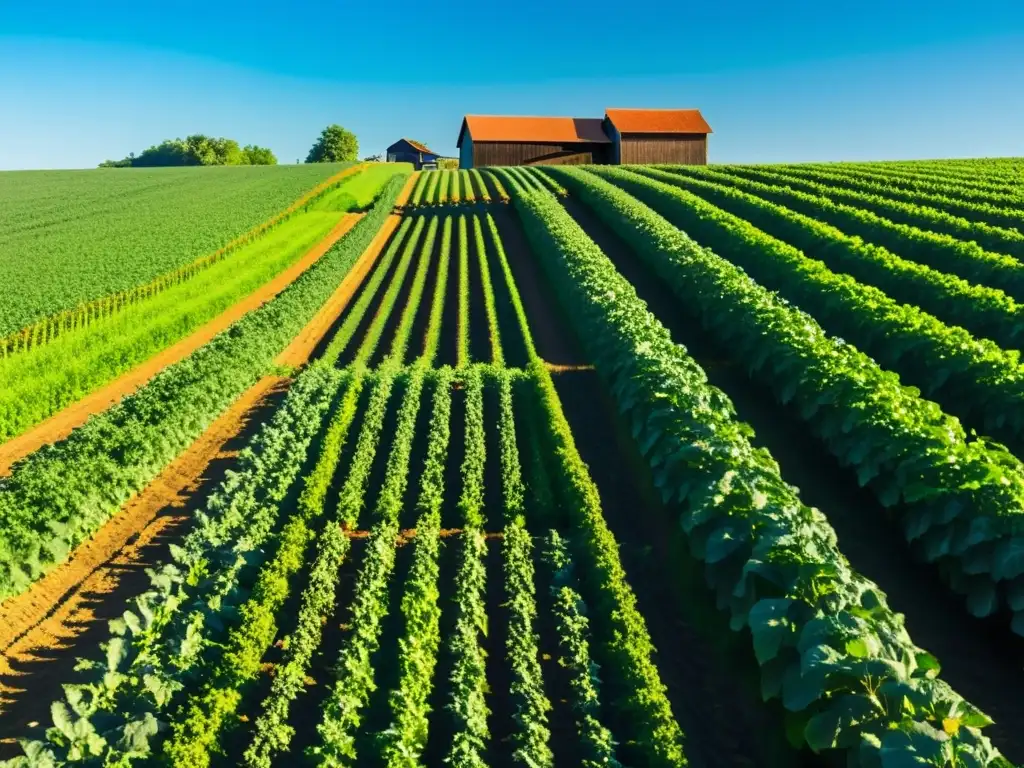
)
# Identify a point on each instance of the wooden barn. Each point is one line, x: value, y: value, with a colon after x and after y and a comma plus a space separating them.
x: 623, y: 136
x: 678, y: 136
x: 408, y: 151
x: 495, y: 140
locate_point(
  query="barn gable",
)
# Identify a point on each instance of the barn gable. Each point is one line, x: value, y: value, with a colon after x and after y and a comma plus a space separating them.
x: 677, y: 136
x: 408, y: 151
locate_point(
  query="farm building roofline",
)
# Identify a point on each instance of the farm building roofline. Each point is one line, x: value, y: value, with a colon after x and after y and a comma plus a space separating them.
x: 658, y: 120
x: 583, y: 130
x: 419, y: 147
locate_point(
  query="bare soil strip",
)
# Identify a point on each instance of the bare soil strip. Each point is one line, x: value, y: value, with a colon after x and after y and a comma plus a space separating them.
x: 979, y: 658
x: 61, y: 424
x: 43, y: 630
x: 301, y: 346
x: 406, y: 193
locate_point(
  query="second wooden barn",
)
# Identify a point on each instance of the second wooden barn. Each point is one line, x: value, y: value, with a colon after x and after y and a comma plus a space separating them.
x: 622, y: 136
x: 678, y: 136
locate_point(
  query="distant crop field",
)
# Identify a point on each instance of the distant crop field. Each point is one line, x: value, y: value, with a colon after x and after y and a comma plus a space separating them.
x: 71, y: 236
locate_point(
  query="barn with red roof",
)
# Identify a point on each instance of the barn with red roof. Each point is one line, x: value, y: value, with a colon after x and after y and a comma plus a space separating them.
x: 622, y: 136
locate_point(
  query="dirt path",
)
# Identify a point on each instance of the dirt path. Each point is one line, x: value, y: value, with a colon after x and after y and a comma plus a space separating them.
x: 555, y: 344
x: 406, y: 193
x: 61, y: 424
x: 63, y: 615
x: 309, y: 337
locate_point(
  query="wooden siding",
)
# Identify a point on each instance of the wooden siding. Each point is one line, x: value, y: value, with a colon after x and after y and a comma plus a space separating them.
x: 516, y: 153
x: 466, y: 152
x: 684, y: 149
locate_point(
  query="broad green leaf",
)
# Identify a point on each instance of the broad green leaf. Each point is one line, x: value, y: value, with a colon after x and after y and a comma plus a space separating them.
x: 1008, y: 561
x: 769, y: 626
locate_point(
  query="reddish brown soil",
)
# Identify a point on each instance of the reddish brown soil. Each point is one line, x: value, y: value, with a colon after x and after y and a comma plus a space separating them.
x: 980, y: 659
x: 302, y: 345
x: 43, y: 630
x: 406, y: 193
x: 61, y: 424
x: 547, y: 326
x: 63, y: 615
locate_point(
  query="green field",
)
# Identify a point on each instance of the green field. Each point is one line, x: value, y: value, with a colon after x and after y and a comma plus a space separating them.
x: 71, y: 236
x: 656, y: 466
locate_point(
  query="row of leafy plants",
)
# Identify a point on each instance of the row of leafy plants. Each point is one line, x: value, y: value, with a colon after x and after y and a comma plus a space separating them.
x: 986, y: 312
x: 998, y: 239
x: 999, y: 177
x: 462, y: 331
x: 467, y: 685
x: 483, y: 194
x: 342, y: 712
x: 959, y: 188
x: 829, y: 647
x: 114, y: 710
x: 403, y: 742
x: 531, y: 737
x: 959, y: 500
x: 939, y: 251
x: 432, y: 336
x: 490, y: 302
x: 572, y: 628
x: 994, y: 214
x: 971, y: 377
x: 58, y: 496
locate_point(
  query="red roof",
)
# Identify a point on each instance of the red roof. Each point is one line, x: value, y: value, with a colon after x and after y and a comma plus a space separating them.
x: 542, y: 130
x: 420, y: 147
x: 658, y: 121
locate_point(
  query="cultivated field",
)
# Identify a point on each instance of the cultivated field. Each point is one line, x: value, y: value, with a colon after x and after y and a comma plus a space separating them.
x: 639, y: 466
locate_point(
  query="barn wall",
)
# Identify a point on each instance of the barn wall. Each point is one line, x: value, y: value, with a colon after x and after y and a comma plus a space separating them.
x: 684, y: 149
x: 517, y: 153
x: 466, y: 151
x: 615, y: 152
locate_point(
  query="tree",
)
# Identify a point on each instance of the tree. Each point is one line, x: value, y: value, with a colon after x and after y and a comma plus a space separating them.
x: 197, y: 149
x: 258, y: 155
x: 335, y: 145
x: 373, y: 158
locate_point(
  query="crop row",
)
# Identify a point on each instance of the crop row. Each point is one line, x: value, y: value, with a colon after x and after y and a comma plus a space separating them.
x: 820, y: 631
x: 959, y: 500
x: 958, y: 189
x: 111, y: 712
x: 986, y: 312
x: 996, y: 214
x: 998, y: 239
x: 60, y: 495
x: 940, y: 252
x: 971, y: 377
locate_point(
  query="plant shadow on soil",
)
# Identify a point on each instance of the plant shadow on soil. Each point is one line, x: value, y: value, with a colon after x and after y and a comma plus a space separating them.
x: 37, y: 682
x: 710, y: 672
x: 980, y: 659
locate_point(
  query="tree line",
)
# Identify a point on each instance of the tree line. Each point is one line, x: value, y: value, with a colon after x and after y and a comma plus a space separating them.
x: 334, y: 145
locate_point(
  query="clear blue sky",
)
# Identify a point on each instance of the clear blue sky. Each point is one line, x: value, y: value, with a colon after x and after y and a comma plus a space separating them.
x: 84, y: 81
